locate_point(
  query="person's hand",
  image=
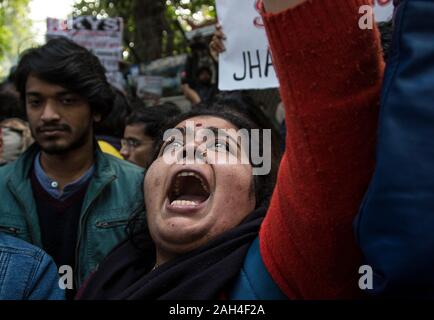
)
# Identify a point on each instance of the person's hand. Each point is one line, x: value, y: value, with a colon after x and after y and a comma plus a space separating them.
x: 216, y: 45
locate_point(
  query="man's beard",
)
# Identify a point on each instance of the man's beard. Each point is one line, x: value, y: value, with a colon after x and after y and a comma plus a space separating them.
x: 81, y: 140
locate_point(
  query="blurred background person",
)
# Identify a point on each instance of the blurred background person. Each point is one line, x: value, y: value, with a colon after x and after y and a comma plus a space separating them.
x: 15, y: 132
x: 109, y: 132
x: 203, y: 90
x: 142, y: 128
x: 199, y: 79
x: 9, y: 103
x: 16, y: 137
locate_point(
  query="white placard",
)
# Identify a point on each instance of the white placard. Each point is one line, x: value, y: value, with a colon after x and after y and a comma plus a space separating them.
x: 101, y: 36
x: 149, y: 87
x: 246, y: 63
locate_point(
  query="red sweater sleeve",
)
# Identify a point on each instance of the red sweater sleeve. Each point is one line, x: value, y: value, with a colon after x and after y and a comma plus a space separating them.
x: 330, y: 73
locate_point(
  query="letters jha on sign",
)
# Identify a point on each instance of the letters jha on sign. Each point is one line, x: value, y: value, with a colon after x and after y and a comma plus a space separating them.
x: 246, y: 63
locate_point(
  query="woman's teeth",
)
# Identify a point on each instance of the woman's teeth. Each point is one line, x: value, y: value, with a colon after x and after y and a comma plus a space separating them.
x: 184, y: 203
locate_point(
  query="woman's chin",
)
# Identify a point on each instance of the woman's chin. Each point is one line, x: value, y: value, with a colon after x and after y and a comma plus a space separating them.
x: 179, y: 233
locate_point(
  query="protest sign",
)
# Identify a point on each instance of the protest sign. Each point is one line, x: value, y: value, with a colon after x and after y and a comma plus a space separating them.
x: 246, y: 63
x: 149, y: 87
x: 101, y: 36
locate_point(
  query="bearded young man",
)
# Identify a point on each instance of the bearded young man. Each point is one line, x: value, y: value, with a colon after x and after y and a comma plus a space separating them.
x: 64, y: 195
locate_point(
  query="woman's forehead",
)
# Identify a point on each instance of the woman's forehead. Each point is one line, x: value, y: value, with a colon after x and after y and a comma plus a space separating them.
x: 204, y: 122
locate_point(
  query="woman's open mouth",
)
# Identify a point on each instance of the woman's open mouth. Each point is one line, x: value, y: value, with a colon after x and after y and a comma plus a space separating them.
x: 189, y: 191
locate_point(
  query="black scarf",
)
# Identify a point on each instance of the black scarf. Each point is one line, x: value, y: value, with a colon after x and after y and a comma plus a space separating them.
x: 205, y: 273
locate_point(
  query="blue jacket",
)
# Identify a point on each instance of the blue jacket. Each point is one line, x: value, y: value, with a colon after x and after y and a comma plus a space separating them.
x: 395, y: 226
x: 254, y: 281
x: 27, y: 272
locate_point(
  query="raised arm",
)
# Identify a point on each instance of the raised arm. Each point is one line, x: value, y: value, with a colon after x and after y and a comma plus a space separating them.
x: 276, y: 6
x: 395, y: 226
x: 330, y: 74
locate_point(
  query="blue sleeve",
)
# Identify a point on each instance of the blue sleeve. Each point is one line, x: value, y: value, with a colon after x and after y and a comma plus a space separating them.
x: 45, y: 282
x: 395, y: 226
x: 254, y: 282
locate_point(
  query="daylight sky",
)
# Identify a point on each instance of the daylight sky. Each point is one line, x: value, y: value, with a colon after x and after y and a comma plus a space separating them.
x: 40, y: 10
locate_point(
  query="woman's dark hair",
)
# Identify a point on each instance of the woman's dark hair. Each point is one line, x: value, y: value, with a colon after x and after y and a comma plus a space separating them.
x: 263, y: 185
x: 241, y: 104
x: 63, y: 62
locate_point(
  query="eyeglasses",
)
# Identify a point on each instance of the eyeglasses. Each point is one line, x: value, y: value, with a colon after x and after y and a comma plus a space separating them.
x: 130, y: 143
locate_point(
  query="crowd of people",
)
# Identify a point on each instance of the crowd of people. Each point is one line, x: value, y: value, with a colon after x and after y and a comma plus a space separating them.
x: 103, y: 198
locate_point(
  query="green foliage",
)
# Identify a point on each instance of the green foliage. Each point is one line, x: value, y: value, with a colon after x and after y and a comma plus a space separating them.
x: 153, y: 28
x: 15, y: 34
x: 195, y: 10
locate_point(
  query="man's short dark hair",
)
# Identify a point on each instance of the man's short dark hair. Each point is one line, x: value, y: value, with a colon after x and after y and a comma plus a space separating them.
x: 63, y: 62
x: 153, y: 118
